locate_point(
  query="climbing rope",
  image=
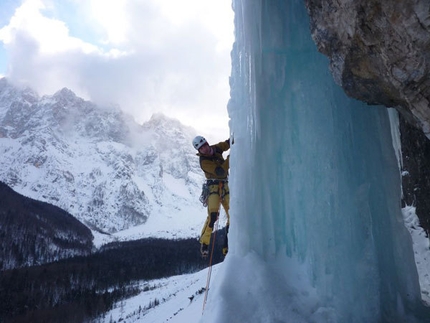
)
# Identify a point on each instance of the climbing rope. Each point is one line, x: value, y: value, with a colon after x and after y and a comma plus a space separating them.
x: 208, y: 279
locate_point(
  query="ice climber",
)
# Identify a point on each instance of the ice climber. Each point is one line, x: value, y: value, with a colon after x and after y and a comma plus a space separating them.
x: 215, y: 190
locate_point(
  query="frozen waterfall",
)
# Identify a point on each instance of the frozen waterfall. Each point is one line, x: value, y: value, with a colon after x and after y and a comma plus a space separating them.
x: 316, y: 228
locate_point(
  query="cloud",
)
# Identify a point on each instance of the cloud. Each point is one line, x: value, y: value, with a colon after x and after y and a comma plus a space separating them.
x: 148, y: 56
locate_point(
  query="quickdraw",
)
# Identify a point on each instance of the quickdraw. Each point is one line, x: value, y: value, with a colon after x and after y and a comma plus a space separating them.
x: 205, y: 194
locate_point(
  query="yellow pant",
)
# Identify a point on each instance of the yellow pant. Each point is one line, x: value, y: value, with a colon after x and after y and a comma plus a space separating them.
x: 216, y: 197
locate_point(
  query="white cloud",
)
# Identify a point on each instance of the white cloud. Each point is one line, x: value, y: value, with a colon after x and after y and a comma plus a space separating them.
x: 50, y: 35
x: 112, y: 16
x: 149, y: 56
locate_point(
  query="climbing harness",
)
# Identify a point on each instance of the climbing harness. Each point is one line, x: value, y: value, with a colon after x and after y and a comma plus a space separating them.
x: 206, y: 191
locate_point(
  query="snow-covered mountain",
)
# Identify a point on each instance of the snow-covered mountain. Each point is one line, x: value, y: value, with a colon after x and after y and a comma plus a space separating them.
x: 99, y: 165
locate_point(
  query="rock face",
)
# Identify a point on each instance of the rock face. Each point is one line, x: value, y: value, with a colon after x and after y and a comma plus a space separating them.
x: 416, y: 171
x: 379, y: 51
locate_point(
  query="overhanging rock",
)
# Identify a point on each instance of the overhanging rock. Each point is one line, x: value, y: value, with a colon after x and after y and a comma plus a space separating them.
x: 379, y: 51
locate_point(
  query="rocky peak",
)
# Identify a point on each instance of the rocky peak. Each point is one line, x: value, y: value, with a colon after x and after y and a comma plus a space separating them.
x: 164, y: 123
x: 65, y: 93
x: 14, y: 95
x: 66, y: 98
x: 171, y: 138
x: 169, y: 132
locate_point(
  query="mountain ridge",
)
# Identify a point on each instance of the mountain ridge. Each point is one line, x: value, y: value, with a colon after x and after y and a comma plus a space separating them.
x: 35, y: 232
x: 97, y: 163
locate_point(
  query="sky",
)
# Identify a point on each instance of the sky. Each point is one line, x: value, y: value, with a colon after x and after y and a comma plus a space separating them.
x: 147, y: 56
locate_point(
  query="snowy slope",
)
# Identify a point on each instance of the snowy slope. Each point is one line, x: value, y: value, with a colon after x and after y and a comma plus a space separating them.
x: 177, y: 299
x: 421, y: 246
x: 100, y: 165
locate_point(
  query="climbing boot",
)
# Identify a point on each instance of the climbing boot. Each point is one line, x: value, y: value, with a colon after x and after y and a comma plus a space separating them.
x: 204, y: 250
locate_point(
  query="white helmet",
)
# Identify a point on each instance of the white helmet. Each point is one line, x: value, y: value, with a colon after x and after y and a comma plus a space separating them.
x: 198, y: 142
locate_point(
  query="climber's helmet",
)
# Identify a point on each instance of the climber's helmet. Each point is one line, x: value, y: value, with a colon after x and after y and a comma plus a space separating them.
x: 198, y: 142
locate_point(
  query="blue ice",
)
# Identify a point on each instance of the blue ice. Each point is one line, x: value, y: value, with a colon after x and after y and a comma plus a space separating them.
x: 316, y: 228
